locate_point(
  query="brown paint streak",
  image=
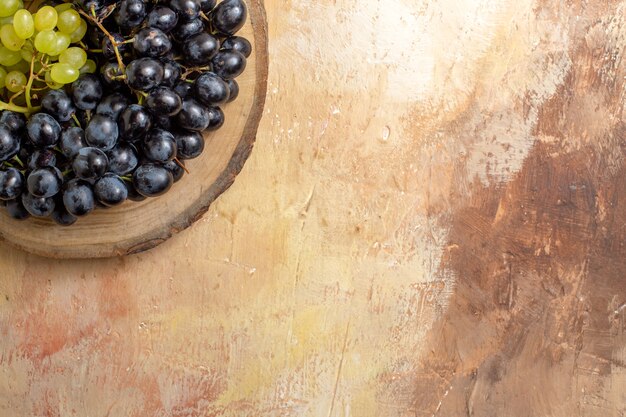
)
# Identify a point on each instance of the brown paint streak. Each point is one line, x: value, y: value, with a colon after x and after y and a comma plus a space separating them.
x: 536, y: 323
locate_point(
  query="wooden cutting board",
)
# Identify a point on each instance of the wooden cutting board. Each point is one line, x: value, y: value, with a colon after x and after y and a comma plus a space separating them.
x: 134, y: 227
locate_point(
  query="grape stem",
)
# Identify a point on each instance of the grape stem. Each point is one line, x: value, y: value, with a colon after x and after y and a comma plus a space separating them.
x: 19, y: 161
x: 180, y: 164
x: 18, y: 109
x: 93, y: 18
x: 75, y: 119
x: 191, y: 70
x: 31, y: 78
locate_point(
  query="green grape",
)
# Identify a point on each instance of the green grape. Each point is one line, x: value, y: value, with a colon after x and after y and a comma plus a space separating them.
x: 8, y: 57
x: 22, y: 66
x: 46, y: 18
x: 79, y: 33
x: 69, y: 21
x: 6, y: 20
x: 64, y: 73
x: 24, y: 24
x: 74, y: 56
x: 3, y: 76
x: 60, y: 8
x: 27, y: 55
x: 50, y: 83
x: 90, y: 67
x: 15, y: 81
x: 10, y: 39
x: 28, y: 51
x: 62, y: 43
x: 46, y: 41
x: 8, y: 7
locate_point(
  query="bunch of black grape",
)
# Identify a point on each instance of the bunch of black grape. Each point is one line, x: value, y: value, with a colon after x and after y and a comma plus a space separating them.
x: 164, y: 68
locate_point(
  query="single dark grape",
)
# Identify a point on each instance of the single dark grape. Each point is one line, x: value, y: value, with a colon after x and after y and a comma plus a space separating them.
x: 112, y: 75
x: 112, y: 105
x: 229, y: 16
x: 239, y: 44
x: 183, y: 89
x: 216, y: 118
x: 43, y: 130
x: 200, y: 49
x: 90, y: 163
x: 60, y: 215
x: 186, y: 30
x: 162, y: 18
x: 193, y: 116
x: 87, y: 92
x: 40, y: 158
x: 134, y: 122
x: 163, y: 101
x: 16, y: 209
x: 209, y: 89
x: 58, y: 104
x: 108, y: 51
x: 122, y: 159
x: 171, y: 73
x: 44, y: 182
x: 130, y: 13
x: 144, y: 74
x: 72, y: 140
x: 152, y: 42
x: 186, y: 9
x: 11, y: 184
x: 189, y: 144
x: 228, y: 64
x: 133, y: 195
x: 207, y: 5
x: 101, y: 132
x: 9, y: 143
x: 78, y: 198
x: 152, y: 180
x: 110, y: 190
x: 233, y: 87
x: 175, y: 168
x: 38, y: 206
x: 14, y: 122
x: 159, y: 146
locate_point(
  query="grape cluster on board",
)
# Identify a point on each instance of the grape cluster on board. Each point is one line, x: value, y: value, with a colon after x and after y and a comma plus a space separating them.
x: 102, y: 101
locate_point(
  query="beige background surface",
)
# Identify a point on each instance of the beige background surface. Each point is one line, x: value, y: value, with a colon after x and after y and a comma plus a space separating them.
x: 429, y: 224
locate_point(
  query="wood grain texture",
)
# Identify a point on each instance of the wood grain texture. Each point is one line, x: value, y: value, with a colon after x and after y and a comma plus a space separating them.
x: 431, y: 224
x: 135, y: 227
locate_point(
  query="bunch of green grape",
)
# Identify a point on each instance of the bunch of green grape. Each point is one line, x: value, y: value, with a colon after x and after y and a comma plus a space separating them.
x: 36, y: 50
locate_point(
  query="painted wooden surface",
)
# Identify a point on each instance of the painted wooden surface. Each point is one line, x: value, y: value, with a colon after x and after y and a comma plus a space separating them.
x: 431, y: 224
